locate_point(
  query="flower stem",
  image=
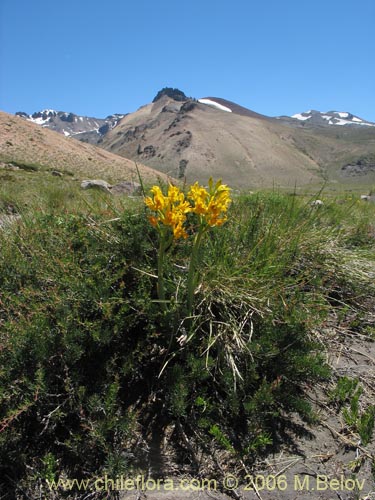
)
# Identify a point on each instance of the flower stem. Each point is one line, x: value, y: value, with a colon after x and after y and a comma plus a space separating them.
x: 192, y: 275
x: 160, y: 287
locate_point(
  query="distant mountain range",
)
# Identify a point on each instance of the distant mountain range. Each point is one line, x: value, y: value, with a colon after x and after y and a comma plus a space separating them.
x: 193, y: 139
x: 322, y: 119
x: 89, y: 129
x: 84, y: 128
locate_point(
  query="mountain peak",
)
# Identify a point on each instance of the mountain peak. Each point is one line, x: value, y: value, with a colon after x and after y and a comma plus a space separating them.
x: 45, y: 112
x: 175, y: 94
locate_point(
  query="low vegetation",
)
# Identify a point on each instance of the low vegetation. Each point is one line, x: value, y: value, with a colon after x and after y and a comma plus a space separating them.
x: 96, y: 377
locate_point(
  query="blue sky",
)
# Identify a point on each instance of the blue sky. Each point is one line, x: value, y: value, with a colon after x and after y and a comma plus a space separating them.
x: 275, y: 57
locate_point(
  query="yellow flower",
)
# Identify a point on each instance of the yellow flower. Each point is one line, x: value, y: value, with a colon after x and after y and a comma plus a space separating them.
x: 170, y: 210
x: 179, y: 232
x: 212, y: 204
x: 158, y: 201
x: 175, y: 195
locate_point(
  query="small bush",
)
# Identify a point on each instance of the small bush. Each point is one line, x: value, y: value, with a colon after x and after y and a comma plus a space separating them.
x: 91, y: 365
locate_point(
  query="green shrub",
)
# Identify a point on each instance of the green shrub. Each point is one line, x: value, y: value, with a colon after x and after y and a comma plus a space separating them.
x: 91, y: 366
x: 348, y: 392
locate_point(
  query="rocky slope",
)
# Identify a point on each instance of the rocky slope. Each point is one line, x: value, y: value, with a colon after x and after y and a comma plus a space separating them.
x: 28, y: 146
x: 195, y: 140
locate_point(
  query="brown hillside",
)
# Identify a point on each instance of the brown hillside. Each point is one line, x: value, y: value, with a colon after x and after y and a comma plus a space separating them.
x: 199, y: 141
x: 193, y: 140
x: 29, y: 145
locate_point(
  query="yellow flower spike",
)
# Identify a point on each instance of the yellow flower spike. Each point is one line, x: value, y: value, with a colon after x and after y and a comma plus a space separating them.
x: 209, y: 205
x: 170, y: 217
x: 179, y: 232
x: 159, y: 201
x: 175, y: 195
x: 150, y: 204
x: 171, y: 210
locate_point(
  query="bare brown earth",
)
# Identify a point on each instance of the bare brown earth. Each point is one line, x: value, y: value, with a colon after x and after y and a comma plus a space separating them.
x: 26, y: 145
x: 196, y: 141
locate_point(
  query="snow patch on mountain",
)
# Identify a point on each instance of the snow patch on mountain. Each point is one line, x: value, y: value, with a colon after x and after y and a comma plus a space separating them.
x: 341, y: 118
x: 300, y: 116
x: 39, y: 120
x: 70, y: 124
x: 214, y: 104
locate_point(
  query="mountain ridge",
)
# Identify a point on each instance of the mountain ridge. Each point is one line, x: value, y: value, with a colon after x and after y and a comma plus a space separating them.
x: 193, y: 139
x: 85, y: 128
x: 66, y: 122
x: 321, y: 118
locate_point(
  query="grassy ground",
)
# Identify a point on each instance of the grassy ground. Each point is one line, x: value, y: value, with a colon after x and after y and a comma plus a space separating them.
x: 97, y: 378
